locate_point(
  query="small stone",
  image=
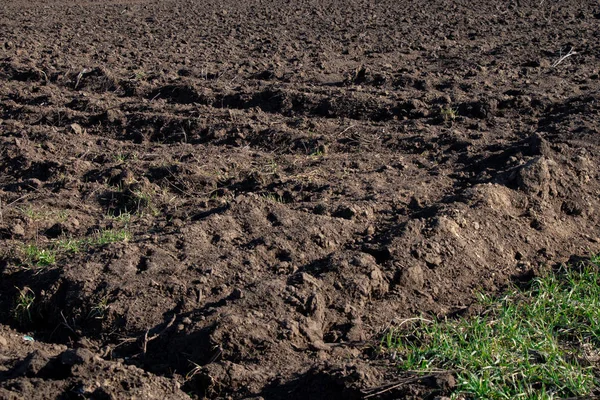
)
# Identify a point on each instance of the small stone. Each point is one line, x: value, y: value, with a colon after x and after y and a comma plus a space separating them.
x: 186, y: 321
x: 3, y: 341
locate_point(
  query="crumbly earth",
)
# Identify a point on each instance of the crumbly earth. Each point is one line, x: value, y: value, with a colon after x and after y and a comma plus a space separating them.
x: 296, y: 177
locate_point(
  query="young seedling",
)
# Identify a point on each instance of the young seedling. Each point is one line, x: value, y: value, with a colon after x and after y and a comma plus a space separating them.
x: 100, y: 310
x: 24, y: 302
x: 449, y: 113
x: 273, y: 198
x: 120, y: 158
x: 143, y: 202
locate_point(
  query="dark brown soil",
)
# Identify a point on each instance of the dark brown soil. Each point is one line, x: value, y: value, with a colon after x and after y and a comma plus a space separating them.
x: 300, y: 176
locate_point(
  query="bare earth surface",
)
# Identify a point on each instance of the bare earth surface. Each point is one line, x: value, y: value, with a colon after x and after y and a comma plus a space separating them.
x: 300, y: 175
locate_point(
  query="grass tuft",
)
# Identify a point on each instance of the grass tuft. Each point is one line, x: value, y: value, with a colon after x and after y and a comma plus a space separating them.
x: 70, y: 245
x: 38, y: 257
x: 274, y: 198
x: 449, y: 113
x: 24, y: 302
x: 100, y: 310
x: 541, y: 343
x: 107, y: 236
x: 123, y: 217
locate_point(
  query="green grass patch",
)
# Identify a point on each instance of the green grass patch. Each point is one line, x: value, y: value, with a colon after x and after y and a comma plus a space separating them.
x: 107, y: 236
x: 539, y: 343
x: 39, y: 214
x: 101, y: 238
x: 36, y: 256
x: 70, y: 245
x: 123, y: 217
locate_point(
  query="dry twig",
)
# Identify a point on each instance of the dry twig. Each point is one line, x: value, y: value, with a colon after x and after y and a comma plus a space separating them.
x: 563, y: 58
x: 149, y: 339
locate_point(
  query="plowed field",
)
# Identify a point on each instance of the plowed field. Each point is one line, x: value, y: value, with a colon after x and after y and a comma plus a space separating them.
x: 230, y: 199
